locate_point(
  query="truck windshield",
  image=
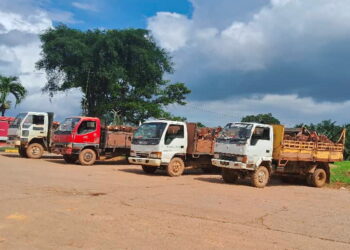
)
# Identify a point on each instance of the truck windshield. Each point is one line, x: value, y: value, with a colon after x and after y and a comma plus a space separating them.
x: 67, y: 126
x: 149, y: 133
x: 235, y: 133
x: 17, y: 122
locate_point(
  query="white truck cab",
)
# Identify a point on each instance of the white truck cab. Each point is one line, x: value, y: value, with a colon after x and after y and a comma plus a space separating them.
x: 244, y: 147
x: 30, y: 132
x: 167, y: 144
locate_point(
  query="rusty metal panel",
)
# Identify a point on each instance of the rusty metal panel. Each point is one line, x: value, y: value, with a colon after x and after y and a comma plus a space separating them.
x: 201, y: 140
x: 118, y: 139
x: 205, y: 146
x: 191, y: 134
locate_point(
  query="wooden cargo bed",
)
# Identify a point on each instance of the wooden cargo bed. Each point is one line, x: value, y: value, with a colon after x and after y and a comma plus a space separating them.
x: 116, y: 139
x: 293, y: 150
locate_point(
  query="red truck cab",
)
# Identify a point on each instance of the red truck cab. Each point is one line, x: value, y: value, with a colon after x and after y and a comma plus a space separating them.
x: 4, y: 126
x: 83, y: 138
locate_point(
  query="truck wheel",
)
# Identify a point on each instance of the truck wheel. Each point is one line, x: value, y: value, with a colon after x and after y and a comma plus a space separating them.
x: 70, y: 158
x: 319, y: 178
x: 87, y: 157
x: 22, y: 152
x: 309, y: 180
x: 35, y: 151
x: 260, y: 177
x: 149, y: 170
x: 176, y: 167
x: 229, y: 175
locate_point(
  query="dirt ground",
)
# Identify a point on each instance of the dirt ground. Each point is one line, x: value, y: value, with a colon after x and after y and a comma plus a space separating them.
x: 46, y: 204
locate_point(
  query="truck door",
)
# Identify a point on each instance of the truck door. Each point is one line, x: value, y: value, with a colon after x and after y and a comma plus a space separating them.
x: 174, y: 141
x: 260, y: 144
x: 35, y: 126
x: 87, y: 133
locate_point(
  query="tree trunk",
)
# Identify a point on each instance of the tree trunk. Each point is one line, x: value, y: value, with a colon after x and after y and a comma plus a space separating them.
x: 3, y: 112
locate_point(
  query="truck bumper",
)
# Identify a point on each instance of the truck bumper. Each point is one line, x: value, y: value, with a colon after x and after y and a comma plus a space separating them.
x: 145, y: 161
x: 62, y: 151
x: 231, y: 164
x: 13, y: 143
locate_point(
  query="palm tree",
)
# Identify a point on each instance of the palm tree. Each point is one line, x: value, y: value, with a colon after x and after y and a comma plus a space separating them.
x: 10, y: 85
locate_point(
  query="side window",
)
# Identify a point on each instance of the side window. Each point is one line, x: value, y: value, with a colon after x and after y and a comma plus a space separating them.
x: 174, y: 131
x: 38, y: 119
x: 87, y: 127
x: 260, y: 133
x: 28, y: 121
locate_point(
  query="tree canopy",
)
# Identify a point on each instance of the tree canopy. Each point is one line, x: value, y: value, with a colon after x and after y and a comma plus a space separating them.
x: 10, y: 85
x: 261, y: 118
x: 119, y: 70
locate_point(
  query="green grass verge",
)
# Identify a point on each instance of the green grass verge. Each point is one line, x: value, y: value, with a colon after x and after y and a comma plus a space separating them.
x: 341, y: 172
x: 3, y: 149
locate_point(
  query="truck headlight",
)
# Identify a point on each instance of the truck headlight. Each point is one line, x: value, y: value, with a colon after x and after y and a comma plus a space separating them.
x: 216, y: 156
x: 25, y: 133
x: 132, y: 153
x: 156, y: 155
x: 242, y: 159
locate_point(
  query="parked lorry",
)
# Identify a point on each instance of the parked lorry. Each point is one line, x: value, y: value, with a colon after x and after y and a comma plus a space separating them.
x: 172, y: 145
x: 86, y: 140
x: 31, y: 133
x: 4, y: 126
x: 258, y: 151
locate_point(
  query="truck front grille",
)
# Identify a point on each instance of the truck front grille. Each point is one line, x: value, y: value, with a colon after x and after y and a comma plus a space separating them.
x: 227, y: 157
x: 142, y: 155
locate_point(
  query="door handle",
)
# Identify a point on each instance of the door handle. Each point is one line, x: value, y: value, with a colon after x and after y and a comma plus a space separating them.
x: 182, y: 146
x: 267, y: 151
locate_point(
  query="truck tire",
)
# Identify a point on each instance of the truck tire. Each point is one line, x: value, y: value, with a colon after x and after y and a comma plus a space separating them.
x: 87, y: 157
x: 22, y: 152
x: 35, y: 151
x: 70, y: 158
x: 319, y: 178
x: 309, y: 180
x: 175, y: 167
x: 229, y: 175
x: 260, y: 177
x: 149, y: 170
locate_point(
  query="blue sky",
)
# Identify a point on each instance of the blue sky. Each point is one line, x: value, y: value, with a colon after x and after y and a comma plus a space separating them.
x: 286, y: 57
x: 116, y: 14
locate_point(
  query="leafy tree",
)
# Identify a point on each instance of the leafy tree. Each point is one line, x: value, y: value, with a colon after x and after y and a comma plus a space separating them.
x: 10, y: 85
x: 200, y: 125
x: 120, y: 70
x: 261, y: 118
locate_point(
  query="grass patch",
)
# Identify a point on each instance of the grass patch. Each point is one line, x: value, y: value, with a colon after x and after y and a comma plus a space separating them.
x: 8, y: 149
x: 341, y: 172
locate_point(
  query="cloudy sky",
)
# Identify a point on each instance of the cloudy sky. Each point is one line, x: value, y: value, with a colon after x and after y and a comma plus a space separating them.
x: 287, y: 57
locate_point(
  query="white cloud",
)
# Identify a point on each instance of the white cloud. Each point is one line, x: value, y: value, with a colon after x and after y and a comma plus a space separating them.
x: 289, y: 109
x: 178, y: 27
x: 291, y: 55
x: 20, y: 50
x: 85, y: 6
x: 281, y: 30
